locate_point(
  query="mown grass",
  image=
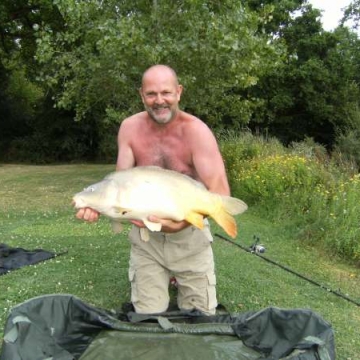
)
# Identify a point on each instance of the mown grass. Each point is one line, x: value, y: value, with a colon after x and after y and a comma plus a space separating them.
x: 35, y: 212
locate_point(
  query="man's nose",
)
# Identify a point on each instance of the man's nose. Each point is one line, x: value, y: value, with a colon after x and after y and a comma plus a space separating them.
x: 159, y: 99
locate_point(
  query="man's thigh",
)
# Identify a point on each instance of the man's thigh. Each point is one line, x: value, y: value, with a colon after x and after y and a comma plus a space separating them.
x: 192, y: 263
x: 148, y: 276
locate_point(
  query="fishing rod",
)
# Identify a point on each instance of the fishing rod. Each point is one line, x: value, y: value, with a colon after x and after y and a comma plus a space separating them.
x: 257, y: 249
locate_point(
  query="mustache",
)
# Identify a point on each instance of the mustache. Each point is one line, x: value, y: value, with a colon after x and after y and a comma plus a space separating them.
x: 157, y: 107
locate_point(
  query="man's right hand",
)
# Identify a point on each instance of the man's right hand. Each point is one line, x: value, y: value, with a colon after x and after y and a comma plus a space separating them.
x: 88, y: 214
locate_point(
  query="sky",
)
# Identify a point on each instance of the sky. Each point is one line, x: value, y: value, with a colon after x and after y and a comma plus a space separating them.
x: 332, y: 11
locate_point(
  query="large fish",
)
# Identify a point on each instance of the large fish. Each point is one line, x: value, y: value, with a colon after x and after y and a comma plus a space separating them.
x: 136, y: 193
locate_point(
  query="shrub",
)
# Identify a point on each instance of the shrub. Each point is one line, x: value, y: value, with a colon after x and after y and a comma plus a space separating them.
x: 299, y: 186
x: 332, y: 218
x: 347, y: 149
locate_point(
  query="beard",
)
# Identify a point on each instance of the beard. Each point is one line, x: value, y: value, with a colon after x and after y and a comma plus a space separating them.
x: 160, y: 118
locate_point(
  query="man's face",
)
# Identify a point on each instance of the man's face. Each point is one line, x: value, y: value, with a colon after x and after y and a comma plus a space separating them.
x: 160, y: 94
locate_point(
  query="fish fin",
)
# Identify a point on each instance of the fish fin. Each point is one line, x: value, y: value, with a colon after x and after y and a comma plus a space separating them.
x: 116, y: 226
x: 233, y: 205
x: 195, y: 219
x: 153, y: 226
x: 144, y: 234
x: 226, y: 221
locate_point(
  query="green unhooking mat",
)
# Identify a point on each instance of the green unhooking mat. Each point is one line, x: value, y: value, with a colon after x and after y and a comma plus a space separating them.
x: 62, y: 327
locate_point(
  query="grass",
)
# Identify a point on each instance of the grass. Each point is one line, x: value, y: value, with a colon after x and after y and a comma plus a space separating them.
x: 35, y: 212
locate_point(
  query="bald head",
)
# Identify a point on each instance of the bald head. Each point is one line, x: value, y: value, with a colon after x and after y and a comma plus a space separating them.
x: 160, y: 71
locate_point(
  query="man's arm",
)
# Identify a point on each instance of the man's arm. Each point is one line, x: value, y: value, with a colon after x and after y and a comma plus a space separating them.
x: 207, y: 159
x: 125, y: 158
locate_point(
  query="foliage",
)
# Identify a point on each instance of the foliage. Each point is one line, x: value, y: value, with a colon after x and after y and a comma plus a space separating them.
x: 238, y: 148
x: 348, y: 145
x: 267, y: 65
x: 271, y: 179
x: 314, y: 91
x: 332, y: 217
x: 275, y: 14
x: 97, y: 61
x: 352, y: 12
x: 301, y: 186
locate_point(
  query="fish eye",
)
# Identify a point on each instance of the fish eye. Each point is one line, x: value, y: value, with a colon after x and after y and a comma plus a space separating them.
x: 90, y: 188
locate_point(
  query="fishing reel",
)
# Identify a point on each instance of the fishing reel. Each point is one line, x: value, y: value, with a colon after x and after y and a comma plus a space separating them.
x: 256, y: 247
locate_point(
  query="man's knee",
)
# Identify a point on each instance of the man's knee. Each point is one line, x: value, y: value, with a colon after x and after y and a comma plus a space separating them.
x: 148, y: 295
x: 198, y: 292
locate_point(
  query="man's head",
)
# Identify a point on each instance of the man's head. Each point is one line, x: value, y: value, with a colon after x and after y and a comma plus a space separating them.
x: 160, y: 92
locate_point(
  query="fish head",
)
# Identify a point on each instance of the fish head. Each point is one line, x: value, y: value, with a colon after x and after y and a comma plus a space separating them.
x: 98, y: 196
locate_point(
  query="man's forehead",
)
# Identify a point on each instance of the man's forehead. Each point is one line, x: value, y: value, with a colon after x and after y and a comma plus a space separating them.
x: 159, y: 75
x: 159, y: 84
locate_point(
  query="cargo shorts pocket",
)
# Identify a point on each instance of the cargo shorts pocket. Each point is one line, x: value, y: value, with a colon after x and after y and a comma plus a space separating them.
x: 134, y: 295
x: 134, y: 234
x: 211, y: 292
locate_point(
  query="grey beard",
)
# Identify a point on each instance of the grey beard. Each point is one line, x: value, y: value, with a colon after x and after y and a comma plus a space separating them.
x: 160, y: 120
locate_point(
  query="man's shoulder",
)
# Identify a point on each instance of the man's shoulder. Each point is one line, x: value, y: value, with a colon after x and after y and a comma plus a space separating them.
x: 190, y: 121
x: 134, y: 120
x: 193, y: 123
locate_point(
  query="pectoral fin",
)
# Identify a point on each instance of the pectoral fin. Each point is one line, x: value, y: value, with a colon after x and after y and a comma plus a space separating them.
x: 152, y: 225
x: 195, y: 219
x: 116, y: 226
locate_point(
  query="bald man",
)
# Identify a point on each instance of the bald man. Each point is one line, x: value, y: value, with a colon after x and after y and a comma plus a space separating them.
x: 165, y: 136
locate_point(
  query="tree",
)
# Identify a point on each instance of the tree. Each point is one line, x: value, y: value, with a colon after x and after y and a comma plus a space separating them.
x: 352, y: 13
x: 314, y: 91
x: 96, y: 62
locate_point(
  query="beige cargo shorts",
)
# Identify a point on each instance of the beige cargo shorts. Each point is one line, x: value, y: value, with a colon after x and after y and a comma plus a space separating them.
x: 187, y: 255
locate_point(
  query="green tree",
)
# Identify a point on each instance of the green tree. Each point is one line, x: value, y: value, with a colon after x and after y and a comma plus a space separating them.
x: 275, y: 15
x: 96, y: 62
x: 314, y: 90
x: 352, y: 13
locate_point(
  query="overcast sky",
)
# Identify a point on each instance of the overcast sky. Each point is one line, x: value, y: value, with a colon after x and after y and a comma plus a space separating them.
x: 332, y: 11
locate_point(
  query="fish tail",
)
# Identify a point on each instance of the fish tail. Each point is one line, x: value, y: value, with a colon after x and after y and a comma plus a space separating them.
x: 226, y: 221
x: 223, y: 215
x: 233, y: 205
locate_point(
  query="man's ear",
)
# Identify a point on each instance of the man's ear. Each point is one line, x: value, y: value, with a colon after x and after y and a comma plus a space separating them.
x: 179, y: 91
x: 141, y: 94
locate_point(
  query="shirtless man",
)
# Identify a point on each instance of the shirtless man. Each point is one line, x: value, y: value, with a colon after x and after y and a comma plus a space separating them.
x: 165, y: 136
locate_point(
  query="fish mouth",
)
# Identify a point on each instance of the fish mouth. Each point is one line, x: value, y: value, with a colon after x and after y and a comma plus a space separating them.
x: 77, y: 203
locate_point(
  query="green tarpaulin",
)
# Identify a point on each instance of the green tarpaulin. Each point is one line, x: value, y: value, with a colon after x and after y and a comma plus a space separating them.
x: 62, y: 327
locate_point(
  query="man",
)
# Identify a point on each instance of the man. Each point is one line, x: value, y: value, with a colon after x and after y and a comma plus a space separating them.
x: 165, y: 136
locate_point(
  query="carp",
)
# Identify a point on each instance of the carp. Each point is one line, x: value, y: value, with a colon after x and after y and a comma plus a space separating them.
x: 136, y: 193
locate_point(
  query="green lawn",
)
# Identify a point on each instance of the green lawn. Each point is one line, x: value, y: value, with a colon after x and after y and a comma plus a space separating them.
x: 36, y: 212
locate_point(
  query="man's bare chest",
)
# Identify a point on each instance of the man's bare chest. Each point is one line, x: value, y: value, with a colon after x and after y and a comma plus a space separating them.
x: 171, y: 152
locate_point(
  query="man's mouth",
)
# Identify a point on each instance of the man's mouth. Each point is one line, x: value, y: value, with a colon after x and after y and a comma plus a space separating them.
x: 161, y: 109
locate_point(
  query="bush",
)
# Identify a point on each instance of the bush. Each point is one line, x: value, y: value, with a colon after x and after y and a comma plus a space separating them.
x: 239, y: 147
x: 299, y: 186
x: 332, y: 218
x: 347, y: 148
